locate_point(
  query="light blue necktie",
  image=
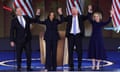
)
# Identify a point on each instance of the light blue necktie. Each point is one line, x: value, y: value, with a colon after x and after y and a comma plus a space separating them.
x: 21, y: 21
x: 74, y: 25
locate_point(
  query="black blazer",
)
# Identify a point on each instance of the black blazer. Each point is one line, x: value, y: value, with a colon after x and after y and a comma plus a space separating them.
x: 18, y: 33
x: 68, y: 19
x: 51, y: 32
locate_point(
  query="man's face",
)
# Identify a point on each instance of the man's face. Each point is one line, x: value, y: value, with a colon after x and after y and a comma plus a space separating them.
x: 74, y: 11
x: 18, y: 11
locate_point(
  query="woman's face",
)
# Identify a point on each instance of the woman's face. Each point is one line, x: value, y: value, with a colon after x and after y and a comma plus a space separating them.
x: 96, y: 18
x: 51, y: 16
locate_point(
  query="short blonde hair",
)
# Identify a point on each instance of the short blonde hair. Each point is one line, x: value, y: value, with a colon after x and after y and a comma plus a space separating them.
x: 97, y: 13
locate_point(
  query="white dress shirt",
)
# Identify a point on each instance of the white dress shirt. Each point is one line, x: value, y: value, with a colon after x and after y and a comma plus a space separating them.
x: 77, y: 29
x: 22, y: 21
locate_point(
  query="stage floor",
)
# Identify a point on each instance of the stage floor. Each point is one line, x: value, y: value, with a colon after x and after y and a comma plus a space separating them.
x: 8, y: 63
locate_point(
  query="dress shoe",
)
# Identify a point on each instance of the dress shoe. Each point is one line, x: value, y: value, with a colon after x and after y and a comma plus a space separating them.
x: 53, y: 69
x: 79, y: 69
x: 18, y: 69
x: 71, y: 69
x: 29, y: 69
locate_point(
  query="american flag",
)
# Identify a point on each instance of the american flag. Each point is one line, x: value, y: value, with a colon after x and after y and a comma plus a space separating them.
x: 26, y: 7
x: 116, y: 14
x: 74, y: 3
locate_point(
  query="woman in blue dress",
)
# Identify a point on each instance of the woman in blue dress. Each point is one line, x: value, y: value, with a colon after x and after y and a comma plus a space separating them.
x: 96, y: 50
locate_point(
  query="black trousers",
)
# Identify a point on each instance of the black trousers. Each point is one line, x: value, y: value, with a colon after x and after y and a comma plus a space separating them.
x: 19, y: 49
x: 74, y: 40
x: 51, y: 52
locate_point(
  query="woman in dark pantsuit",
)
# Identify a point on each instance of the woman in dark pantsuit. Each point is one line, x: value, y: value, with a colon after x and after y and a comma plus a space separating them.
x: 51, y: 38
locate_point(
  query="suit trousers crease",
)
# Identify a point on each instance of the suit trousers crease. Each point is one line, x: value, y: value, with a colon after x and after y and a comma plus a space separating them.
x: 51, y: 53
x: 74, y: 40
x: 26, y: 46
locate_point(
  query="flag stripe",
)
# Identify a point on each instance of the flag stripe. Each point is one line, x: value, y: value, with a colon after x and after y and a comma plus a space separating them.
x: 76, y: 5
x: 14, y: 5
x: 117, y: 17
x: 80, y: 9
x: 68, y: 9
x: 116, y: 9
x: 30, y: 6
x: 22, y: 7
x: 26, y: 7
x: 116, y: 14
x: 117, y: 5
x: 70, y: 4
x: 17, y: 5
x: 115, y: 21
x: 73, y: 3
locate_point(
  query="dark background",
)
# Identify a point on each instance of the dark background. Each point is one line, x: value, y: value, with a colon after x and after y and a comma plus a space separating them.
x: 48, y: 5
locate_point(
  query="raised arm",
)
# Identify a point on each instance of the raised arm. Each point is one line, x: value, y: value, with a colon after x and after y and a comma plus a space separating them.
x: 60, y: 15
x: 110, y: 18
x: 90, y: 11
x: 107, y: 22
x: 37, y: 17
x: 62, y: 18
x: 84, y: 17
x: 38, y: 21
x: 34, y: 19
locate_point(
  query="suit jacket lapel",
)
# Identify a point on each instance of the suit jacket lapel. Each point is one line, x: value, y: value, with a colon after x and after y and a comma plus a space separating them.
x: 25, y: 21
x: 18, y: 22
x: 71, y: 21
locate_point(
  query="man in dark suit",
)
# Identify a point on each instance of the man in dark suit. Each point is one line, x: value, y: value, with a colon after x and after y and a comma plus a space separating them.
x: 20, y: 35
x: 75, y: 34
